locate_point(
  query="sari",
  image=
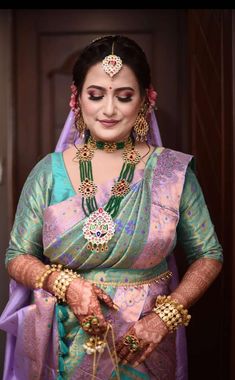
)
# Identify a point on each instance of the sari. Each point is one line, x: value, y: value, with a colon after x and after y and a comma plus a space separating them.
x: 165, y: 204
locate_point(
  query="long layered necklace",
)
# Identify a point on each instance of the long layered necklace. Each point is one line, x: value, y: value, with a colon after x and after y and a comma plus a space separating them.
x: 99, y: 227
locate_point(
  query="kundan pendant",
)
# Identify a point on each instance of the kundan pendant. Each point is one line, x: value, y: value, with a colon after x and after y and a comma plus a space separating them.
x: 112, y: 64
x: 98, y: 230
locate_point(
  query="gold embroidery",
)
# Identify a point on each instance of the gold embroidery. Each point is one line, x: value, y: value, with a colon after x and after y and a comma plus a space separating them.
x: 162, y: 277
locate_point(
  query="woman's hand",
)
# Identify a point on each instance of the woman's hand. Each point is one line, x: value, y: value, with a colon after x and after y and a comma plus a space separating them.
x: 84, y: 298
x: 149, y: 331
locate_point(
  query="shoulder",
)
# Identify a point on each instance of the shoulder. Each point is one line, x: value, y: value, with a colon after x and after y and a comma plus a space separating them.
x: 175, y: 153
x: 42, y: 171
x: 39, y: 181
x: 43, y: 165
x: 176, y: 156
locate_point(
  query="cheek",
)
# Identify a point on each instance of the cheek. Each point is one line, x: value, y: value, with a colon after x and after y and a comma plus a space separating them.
x: 88, y: 109
x: 132, y: 113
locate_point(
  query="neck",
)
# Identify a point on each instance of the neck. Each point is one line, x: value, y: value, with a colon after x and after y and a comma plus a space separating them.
x: 109, y: 146
x: 125, y: 139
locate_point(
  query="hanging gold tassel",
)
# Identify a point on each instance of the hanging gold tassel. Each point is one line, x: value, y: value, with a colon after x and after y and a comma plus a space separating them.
x: 79, y: 123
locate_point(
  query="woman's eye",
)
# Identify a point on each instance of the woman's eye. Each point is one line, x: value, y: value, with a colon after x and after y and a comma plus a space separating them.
x: 95, y: 97
x: 124, y: 98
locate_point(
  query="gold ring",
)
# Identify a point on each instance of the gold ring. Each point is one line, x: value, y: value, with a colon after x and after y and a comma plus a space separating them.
x: 90, y: 323
x: 132, y: 342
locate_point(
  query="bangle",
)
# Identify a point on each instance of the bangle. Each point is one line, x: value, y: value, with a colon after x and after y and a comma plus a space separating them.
x: 62, y: 283
x: 171, y: 312
x: 49, y: 269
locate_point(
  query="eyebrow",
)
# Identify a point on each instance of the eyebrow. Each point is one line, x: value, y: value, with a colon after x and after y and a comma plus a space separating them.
x: 116, y: 89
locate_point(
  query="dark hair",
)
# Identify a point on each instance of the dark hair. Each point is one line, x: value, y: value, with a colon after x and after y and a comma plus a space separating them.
x: 127, y: 49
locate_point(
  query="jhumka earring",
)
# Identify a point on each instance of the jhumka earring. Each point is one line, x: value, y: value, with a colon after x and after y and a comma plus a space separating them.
x: 79, y: 123
x: 78, y: 118
x: 112, y: 64
x: 141, y: 125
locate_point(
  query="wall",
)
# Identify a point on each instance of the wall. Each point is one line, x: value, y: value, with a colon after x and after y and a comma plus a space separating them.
x: 6, y: 138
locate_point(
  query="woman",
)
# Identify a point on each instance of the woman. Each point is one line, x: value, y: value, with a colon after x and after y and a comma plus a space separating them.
x: 94, y: 235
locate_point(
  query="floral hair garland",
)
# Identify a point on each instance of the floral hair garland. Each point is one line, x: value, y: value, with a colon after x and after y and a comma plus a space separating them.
x: 152, y: 97
x: 74, y: 97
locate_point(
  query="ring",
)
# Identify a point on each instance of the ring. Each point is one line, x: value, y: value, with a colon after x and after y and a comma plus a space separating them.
x: 90, y: 323
x: 132, y: 342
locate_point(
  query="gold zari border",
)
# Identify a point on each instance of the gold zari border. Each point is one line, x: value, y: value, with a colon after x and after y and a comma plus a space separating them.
x: 162, y: 277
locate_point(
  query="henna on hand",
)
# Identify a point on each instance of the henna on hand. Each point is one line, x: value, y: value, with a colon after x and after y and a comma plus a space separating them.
x: 104, y: 297
x: 196, y: 281
x: 150, y: 330
x: 83, y: 298
x: 25, y: 269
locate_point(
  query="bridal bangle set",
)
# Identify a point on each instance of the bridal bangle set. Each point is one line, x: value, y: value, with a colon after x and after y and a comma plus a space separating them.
x: 62, y: 282
x: 171, y: 312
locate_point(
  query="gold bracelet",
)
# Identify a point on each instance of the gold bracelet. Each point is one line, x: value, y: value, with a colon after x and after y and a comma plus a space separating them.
x: 49, y: 269
x: 62, y: 283
x: 171, y: 312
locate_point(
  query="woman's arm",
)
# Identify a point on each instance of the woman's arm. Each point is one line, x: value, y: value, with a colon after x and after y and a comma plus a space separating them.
x: 196, y: 281
x: 25, y: 269
x: 82, y: 296
x: 197, y: 236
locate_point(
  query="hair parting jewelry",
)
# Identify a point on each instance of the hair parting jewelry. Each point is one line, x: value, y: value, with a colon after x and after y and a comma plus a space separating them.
x: 112, y: 63
x: 171, y: 312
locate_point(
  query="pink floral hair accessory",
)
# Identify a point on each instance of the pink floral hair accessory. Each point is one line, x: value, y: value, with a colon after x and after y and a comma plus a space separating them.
x: 74, y: 98
x: 152, y: 97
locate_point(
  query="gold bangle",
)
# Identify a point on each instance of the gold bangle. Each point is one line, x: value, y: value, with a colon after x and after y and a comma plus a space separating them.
x: 62, y: 283
x: 171, y: 312
x: 49, y: 269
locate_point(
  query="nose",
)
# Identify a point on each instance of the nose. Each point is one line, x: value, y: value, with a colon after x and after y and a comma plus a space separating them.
x: 109, y: 106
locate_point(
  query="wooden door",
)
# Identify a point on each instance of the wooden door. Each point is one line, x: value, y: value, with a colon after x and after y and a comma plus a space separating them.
x: 211, y: 136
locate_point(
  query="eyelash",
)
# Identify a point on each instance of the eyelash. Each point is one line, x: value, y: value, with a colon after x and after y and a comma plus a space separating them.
x: 124, y: 100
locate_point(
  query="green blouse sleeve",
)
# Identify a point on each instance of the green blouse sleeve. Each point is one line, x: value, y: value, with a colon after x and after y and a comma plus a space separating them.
x: 26, y: 234
x: 195, y: 231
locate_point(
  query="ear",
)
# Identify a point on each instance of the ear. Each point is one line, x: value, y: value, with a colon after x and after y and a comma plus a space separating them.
x: 143, y: 101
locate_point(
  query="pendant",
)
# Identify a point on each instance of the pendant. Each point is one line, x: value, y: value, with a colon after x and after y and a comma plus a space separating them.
x: 98, y: 230
x: 112, y: 64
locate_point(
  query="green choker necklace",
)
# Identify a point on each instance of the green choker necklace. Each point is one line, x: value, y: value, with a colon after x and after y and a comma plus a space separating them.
x: 109, y: 147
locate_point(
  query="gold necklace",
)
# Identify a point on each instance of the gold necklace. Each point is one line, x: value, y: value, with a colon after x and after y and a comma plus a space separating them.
x: 99, y: 227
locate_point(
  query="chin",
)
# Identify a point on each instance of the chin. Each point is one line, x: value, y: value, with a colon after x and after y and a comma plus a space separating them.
x: 111, y: 136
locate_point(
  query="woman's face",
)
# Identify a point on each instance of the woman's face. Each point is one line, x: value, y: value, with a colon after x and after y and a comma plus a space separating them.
x: 110, y: 105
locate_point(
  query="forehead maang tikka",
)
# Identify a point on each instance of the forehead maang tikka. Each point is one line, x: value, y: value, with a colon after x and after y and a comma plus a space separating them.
x: 112, y: 64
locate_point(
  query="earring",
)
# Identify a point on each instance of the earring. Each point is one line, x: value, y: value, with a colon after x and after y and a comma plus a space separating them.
x: 141, y: 125
x: 79, y: 123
